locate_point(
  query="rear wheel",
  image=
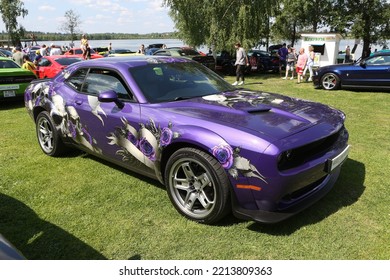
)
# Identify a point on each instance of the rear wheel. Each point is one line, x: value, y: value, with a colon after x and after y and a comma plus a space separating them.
x: 197, y: 185
x: 330, y: 81
x: 48, y: 137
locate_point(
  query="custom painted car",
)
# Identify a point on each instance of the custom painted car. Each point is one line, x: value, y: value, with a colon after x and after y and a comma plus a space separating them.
x: 13, y: 79
x: 215, y: 147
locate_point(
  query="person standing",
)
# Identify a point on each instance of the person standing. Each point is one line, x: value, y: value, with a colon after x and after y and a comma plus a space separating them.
x: 17, y: 56
x: 28, y: 65
x: 38, y: 57
x: 141, y: 49
x: 291, y: 58
x: 347, y: 58
x: 84, y: 45
x: 309, y: 64
x: 44, y: 50
x: 54, y: 50
x: 301, y: 64
x: 282, y: 54
x: 241, y: 63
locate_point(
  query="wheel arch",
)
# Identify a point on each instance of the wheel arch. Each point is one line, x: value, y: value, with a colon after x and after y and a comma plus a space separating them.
x: 190, y: 139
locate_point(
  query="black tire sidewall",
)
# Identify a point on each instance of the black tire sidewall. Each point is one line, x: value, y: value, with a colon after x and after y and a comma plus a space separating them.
x: 58, y: 146
x: 218, y: 174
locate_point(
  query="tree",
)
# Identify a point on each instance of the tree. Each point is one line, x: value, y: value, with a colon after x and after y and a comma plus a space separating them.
x: 71, y: 24
x: 10, y: 10
x: 370, y: 22
x: 221, y: 23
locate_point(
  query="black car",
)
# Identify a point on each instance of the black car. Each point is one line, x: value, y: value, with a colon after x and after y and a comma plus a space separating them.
x: 225, y: 63
x: 263, y: 61
x: 191, y: 53
x: 370, y: 72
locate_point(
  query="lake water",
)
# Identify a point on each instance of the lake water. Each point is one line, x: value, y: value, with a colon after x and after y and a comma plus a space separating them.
x: 134, y: 44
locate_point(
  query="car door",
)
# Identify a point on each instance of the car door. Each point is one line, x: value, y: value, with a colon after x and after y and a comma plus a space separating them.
x: 372, y: 72
x: 43, y: 68
x: 109, y: 129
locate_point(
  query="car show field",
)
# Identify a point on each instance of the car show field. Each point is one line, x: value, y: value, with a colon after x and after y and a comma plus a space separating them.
x: 92, y: 209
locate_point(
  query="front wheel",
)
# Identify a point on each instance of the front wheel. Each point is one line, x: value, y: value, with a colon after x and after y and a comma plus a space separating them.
x: 330, y: 81
x: 197, y: 185
x: 48, y: 138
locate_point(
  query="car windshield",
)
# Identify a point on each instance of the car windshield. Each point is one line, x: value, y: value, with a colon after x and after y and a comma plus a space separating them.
x: 68, y: 60
x: 8, y: 64
x: 167, y: 82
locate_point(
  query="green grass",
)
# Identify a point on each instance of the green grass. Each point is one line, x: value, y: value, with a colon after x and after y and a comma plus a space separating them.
x: 79, y: 207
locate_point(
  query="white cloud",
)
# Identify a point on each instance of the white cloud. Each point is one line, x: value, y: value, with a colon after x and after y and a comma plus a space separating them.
x: 46, y: 8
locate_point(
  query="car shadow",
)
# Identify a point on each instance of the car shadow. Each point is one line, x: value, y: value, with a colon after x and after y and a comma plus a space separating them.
x: 38, y: 239
x: 347, y: 190
x: 11, y: 104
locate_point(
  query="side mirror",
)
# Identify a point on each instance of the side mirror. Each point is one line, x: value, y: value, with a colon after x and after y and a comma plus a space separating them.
x: 363, y: 64
x: 110, y: 96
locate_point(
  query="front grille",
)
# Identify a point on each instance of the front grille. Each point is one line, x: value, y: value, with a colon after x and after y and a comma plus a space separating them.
x: 298, y: 156
x: 17, y: 80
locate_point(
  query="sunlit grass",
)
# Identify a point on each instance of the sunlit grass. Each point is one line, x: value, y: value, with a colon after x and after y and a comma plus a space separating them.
x: 79, y: 207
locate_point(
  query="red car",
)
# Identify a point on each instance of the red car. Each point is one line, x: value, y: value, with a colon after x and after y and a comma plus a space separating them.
x: 49, y: 66
x: 79, y: 52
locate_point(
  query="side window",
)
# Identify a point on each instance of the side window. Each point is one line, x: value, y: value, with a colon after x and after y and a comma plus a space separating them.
x: 100, y: 80
x: 44, y: 62
x: 77, y: 79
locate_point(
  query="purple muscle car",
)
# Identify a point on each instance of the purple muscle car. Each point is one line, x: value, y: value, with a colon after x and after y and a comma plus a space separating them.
x: 215, y: 147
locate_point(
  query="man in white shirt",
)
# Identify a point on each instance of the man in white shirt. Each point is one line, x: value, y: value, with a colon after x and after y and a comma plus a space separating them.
x: 54, y: 50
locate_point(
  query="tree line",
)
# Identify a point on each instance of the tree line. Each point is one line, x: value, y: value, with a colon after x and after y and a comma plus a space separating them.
x: 221, y: 23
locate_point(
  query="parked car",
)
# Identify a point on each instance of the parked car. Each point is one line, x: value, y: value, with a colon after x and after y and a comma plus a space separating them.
x: 191, y: 53
x: 13, y: 79
x: 120, y: 52
x: 225, y: 63
x: 49, y: 66
x: 150, y: 49
x: 79, y: 52
x: 263, y: 61
x: 5, y: 53
x: 215, y: 147
x: 370, y: 72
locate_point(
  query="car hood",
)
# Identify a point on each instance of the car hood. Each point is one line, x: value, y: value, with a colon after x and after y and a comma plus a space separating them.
x: 274, y: 115
x: 336, y: 67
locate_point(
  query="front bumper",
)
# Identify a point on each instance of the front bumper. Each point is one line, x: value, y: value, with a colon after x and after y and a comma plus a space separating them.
x: 298, y: 192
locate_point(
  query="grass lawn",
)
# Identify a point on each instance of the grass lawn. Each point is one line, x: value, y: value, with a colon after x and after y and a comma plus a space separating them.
x: 79, y: 207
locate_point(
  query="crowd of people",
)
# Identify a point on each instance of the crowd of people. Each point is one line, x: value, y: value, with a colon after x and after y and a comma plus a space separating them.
x: 295, y: 63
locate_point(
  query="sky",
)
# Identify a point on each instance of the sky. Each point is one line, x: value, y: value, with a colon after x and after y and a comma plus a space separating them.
x: 98, y: 16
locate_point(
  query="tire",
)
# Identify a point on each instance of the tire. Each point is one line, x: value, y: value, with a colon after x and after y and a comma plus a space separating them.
x: 197, y: 186
x: 48, y: 137
x: 330, y: 81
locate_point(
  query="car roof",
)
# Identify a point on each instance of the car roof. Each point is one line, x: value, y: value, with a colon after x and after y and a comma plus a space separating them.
x: 131, y: 61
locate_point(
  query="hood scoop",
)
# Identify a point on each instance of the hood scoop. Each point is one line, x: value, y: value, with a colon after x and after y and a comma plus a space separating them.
x: 258, y: 110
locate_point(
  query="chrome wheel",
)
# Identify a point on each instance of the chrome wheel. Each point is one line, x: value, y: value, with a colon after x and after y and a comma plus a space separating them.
x: 45, y: 135
x: 48, y: 137
x: 197, y: 185
x: 330, y: 81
